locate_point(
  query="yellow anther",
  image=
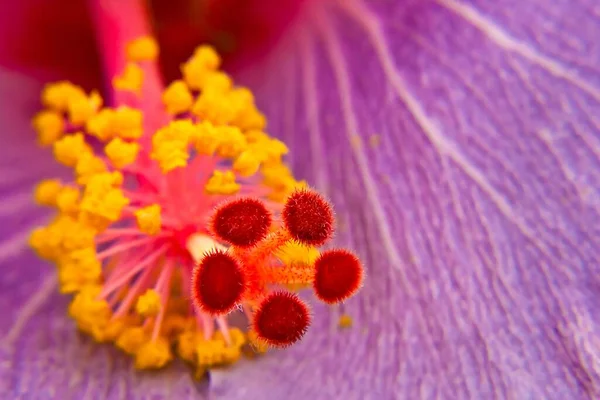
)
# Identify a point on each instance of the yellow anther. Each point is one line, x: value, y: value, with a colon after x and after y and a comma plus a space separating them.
x: 148, y: 304
x: 274, y: 174
x: 88, y: 311
x: 170, y: 155
x: 79, y: 269
x: 121, y: 153
x: 345, y: 321
x: 186, y: 345
x: 258, y: 345
x: 278, y: 177
x: 246, y: 164
x: 110, y: 331
x: 127, y: 123
x: 177, y: 98
x: 70, y: 149
x: 131, y: 79
x: 82, y: 108
x: 67, y: 200
x: 100, y: 124
x: 274, y: 149
x: 215, y: 107
x: 217, y: 81
x: 153, y: 354
x: 170, y: 145
x: 210, y: 352
x: 149, y: 219
x: 60, y: 238
x: 49, y: 126
x: 195, y: 70
x: 246, y: 116
x: 256, y: 136
x: 232, y: 351
x: 44, y: 243
x: 132, y: 338
x: 142, y: 49
x: 207, y: 56
x: 70, y: 234
x: 88, y: 166
x: 58, y: 95
x: 103, y: 200
x: 47, y: 191
x: 267, y: 150
x: 182, y: 130
x: 250, y: 118
x: 124, y: 122
x: 206, y: 138
x: 232, y: 142
x: 222, y: 183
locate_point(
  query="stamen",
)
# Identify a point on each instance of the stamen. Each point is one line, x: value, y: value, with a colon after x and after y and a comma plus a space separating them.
x: 148, y: 235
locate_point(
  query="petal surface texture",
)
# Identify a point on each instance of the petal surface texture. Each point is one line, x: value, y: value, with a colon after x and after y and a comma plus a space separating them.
x: 459, y: 142
x: 42, y: 355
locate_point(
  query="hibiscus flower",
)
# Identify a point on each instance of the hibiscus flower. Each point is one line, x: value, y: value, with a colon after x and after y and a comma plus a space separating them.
x: 458, y: 141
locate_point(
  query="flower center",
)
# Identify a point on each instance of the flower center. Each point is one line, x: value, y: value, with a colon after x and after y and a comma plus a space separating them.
x: 165, y: 231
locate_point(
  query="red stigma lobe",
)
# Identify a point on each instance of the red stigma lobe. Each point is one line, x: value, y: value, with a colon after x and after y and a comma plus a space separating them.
x: 338, y: 275
x: 218, y: 283
x: 308, y: 217
x: 281, y: 319
x: 242, y: 222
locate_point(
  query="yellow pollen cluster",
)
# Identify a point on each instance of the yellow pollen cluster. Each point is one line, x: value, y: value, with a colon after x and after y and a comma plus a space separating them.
x: 123, y: 122
x: 142, y: 49
x: 148, y: 219
x: 103, y: 200
x: 50, y: 126
x: 46, y: 192
x: 170, y: 145
x: 178, y: 98
x: 131, y: 79
x: 345, y: 321
x: 222, y: 183
x: 70, y: 149
x: 121, y: 153
x: 148, y: 304
x: 118, y: 218
x: 68, y: 106
x: 204, y: 353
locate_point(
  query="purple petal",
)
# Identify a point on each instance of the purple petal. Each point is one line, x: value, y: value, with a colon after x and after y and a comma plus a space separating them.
x: 460, y: 143
x: 41, y: 353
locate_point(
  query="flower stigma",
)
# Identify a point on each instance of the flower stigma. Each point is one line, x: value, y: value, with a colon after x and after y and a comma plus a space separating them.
x: 168, y: 228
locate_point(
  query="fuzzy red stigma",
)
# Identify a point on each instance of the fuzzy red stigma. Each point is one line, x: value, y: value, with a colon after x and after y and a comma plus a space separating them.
x: 308, y: 217
x: 338, y: 275
x: 281, y: 319
x: 217, y: 283
x: 241, y: 222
